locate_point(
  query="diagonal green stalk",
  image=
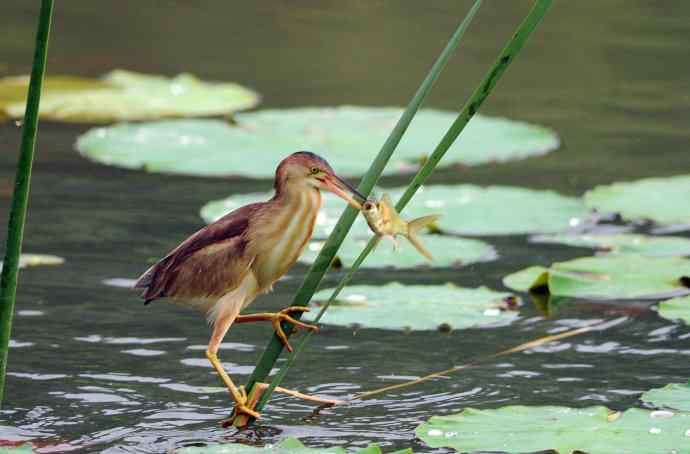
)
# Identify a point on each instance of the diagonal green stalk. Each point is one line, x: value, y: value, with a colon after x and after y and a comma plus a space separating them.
x: 470, y: 108
x: 17, y: 218
x: 325, y: 257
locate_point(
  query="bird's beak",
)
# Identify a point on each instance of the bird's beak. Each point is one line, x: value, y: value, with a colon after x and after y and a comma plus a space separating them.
x: 342, y: 189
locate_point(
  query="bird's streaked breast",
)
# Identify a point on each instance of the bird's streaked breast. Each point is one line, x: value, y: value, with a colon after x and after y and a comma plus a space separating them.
x: 288, y: 233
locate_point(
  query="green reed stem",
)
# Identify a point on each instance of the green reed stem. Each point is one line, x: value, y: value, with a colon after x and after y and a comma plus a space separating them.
x: 17, y: 218
x: 327, y: 253
x: 470, y: 108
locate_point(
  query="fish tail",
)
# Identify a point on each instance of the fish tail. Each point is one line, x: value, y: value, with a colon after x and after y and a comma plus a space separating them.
x: 413, y: 228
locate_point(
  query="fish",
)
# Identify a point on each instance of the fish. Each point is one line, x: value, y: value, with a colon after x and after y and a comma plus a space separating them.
x: 385, y: 221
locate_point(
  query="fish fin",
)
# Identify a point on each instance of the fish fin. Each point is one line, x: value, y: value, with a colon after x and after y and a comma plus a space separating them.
x: 413, y: 228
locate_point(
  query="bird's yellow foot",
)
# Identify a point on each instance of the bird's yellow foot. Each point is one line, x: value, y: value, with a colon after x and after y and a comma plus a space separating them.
x: 284, y: 316
x: 241, y: 406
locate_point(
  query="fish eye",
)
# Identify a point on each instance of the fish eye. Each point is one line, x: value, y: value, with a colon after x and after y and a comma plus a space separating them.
x: 314, y: 171
x: 368, y: 205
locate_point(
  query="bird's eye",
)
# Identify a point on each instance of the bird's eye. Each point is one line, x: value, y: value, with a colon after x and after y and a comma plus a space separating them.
x: 314, y: 170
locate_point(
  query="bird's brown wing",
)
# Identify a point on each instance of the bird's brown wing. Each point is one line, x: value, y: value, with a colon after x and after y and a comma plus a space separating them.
x: 209, y: 263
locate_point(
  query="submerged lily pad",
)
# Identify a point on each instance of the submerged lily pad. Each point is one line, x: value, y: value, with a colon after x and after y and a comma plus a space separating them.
x: 594, y: 430
x: 125, y: 95
x: 606, y: 276
x: 623, y: 243
x: 674, y: 396
x: 662, y: 200
x: 27, y: 260
x: 465, y: 209
x: 417, y: 307
x: 348, y: 137
x: 676, y: 309
x: 287, y: 446
x: 447, y: 251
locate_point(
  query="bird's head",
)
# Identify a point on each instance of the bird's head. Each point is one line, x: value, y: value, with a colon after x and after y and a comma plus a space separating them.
x: 308, y: 170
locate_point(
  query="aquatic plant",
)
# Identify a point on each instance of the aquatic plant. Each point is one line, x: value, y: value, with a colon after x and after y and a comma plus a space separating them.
x: 329, y: 250
x: 20, y: 198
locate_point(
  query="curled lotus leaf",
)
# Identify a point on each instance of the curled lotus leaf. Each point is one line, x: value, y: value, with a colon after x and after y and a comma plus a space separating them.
x: 607, y: 277
x: 676, y: 309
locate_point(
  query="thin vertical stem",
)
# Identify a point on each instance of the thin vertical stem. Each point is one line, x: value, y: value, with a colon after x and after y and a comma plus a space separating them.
x: 506, y: 56
x: 325, y: 257
x: 17, y: 218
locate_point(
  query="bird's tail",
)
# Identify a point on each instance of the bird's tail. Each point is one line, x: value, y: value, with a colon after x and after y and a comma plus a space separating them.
x: 413, y: 228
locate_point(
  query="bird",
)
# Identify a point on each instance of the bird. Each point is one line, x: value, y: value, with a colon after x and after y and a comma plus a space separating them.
x: 224, y: 266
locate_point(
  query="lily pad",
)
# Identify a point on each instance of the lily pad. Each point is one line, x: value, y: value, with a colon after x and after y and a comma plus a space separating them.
x: 674, y: 396
x: 662, y: 200
x: 607, y: 277
x: 287, y: 446
x: 27, y: 260
x: 125, y: 95
x: 417, y: 307
x: 676, y: 309
x: 348, y: 137
x: 447, y: 251
x: 594, y: 430
x: 465, y: 209
x: 623, y: 243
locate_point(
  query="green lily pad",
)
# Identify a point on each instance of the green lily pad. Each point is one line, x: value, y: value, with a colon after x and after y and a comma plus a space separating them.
x: 447, y: 251
x: 674, y: 396
x: 348, y: 137
x: 125, y: 95
x: 465, y: 209
x: 27, y: 260
x: 662, y: 200
x: 287, y: 446
x: 417, y: 307
x: 21, y: 449
x: 607, y: 277
x: 676, y: 309
x: 623, y: 243
x: 594, y: 430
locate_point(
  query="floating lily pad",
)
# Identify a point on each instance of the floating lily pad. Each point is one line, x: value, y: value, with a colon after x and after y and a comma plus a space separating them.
x: 465, y: 209
x: 27, y: 260
x: 674, y: 396
x: 348, y: 137
x: 662, y: 200
x: 607, y: 276
x: 594, y: 430
x: 125, y: 95
x: 676, y: 309
x: 287, y: 446
x: 447, y: 251
x: 417, y: 307
x: 623, y: 243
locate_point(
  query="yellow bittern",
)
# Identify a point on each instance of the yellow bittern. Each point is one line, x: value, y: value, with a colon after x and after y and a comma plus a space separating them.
x: 222, y: 268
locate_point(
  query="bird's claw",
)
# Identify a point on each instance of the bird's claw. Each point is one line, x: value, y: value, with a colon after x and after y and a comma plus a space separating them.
x: 241, y: 405
x: 284, y: 316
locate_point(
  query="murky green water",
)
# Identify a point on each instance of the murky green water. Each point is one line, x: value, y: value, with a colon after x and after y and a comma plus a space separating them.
x: 96, y: 369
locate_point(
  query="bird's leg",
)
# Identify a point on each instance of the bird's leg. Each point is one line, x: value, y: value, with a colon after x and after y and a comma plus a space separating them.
x: 276, y: 318
x: 239, y: 395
